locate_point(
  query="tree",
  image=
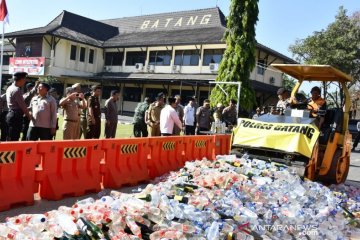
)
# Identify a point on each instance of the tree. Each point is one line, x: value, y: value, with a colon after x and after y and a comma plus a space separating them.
x: 288, y: 82
x: 239, y: 57
x: 338, y: 45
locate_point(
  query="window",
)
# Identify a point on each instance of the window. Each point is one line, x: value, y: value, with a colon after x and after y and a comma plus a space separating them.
x: 187, y: 57
x: 106, y: 91
x: 114, y: 58
x: 6, y: 59
x: 261, y: 66
x: 82, y: 54
x: 153, y: 92
x: 132, y: 94
x: 212, y: 56
x: 91, y: 56
x: 73, y: 52
x: 160, y: 58
x: 135, y: 57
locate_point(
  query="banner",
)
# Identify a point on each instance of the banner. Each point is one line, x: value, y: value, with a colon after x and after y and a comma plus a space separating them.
x: 31, y: 65
x: 288, y: 137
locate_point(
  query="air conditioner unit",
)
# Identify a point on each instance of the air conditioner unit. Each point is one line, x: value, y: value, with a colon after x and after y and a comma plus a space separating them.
x: 272, y: 80
x: 214, y: 67
x: 176, y: 68
x: 151, y: 68
x: 139, y: 66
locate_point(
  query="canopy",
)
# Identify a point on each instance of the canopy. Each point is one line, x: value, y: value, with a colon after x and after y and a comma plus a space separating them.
x: 323, y: 73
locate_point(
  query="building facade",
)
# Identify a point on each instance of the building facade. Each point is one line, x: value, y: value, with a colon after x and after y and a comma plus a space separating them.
x: 175, y: 53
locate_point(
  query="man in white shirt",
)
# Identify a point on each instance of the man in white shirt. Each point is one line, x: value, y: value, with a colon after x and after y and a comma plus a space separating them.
x: 168, y: 118
x: 189, y: 117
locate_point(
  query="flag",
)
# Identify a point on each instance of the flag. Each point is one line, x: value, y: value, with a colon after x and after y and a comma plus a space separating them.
x: 4, y: 16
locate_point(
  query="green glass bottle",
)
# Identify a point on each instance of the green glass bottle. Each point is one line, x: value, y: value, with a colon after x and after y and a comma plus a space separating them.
x: 145, y: 197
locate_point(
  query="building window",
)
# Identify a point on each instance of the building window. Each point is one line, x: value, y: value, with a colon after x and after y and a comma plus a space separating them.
x: 73, y: 52
x: 187, y: 58
x: 261, y: 66
x: 91, y: 56
x: 212, y: 56
x: 6, y: 59
x: 132, y: 94
x: 82, y: 54
x: 114, y: 58
x: 160, y: 58
x: 133, y: 58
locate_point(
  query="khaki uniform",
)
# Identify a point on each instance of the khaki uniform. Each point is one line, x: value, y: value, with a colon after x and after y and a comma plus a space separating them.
x: 154, y: 118
x: 71, y: 125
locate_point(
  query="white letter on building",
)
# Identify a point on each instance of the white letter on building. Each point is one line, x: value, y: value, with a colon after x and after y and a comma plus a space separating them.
x: 168, y: 20
x: 192, y: 20
x: 178, y: 23
x: 205, y: 19
x: 155, y: 25
x: 145, y: 24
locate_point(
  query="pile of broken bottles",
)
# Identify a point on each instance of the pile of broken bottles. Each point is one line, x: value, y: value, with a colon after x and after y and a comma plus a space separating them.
x: 229, y: 198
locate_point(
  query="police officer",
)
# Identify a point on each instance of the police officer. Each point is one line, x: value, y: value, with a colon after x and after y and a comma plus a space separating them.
x: 140, y: 127
x: 94, y: 113
x: 17, y: 106
x: 31, y: 89
x: 154, y: 115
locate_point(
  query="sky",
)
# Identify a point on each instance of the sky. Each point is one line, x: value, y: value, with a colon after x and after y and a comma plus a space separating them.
x: 280, y: 22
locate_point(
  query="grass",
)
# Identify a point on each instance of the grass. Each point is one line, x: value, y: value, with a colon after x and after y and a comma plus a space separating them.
x: 122, y: 131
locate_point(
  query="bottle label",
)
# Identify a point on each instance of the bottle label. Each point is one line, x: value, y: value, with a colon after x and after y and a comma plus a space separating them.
x: 178, y: 198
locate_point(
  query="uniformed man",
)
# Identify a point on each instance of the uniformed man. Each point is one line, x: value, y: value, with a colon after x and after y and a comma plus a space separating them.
x: 4, y: 111
x: 83, y: 116
x: 43, y: 109
x: 71, y: 125
x: 154, y: 115
x: 229, y: 114
x: 180, y: 111
x: 94, y: 113
x: 111, y: 114
x: 31, y: 90
x: 140, y: 127
x: 17, y: 106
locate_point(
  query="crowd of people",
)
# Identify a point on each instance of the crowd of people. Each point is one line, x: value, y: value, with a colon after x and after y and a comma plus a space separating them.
x: 161, y: 119
x: 34, y: 115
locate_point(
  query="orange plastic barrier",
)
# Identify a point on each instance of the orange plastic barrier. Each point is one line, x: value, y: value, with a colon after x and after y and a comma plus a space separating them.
x: 69, y: 168
x: 125, y: 161
x: 198, y: 147
x: 222, y: 144
x: 166, y: 154
x: 17, y: 173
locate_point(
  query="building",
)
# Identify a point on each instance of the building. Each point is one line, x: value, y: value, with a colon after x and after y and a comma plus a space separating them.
x: 175, y: 53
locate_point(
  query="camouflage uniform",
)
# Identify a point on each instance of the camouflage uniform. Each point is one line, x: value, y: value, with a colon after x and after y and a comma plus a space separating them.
x: 140, y: 127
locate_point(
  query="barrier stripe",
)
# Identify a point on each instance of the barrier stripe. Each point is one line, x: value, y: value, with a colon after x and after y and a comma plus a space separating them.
x: 200, y: 143
x: 7, y: 157
x: 168, y: 146
x: 129, y: 149
x: 75, y: 152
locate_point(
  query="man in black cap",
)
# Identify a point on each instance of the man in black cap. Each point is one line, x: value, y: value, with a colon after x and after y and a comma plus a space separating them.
x: 17, y: 106
x: 284, y: 101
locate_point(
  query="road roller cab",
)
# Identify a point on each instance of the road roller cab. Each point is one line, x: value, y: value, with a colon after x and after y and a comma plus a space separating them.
x: 319, y: 145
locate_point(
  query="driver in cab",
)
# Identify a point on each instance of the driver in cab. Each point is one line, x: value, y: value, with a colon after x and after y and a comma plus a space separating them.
x: 316, y: 102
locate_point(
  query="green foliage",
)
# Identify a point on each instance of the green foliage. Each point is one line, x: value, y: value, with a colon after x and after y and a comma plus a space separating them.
x: 288, y: 82
x: 49, y: 79
x: 338, y: 45
x: 239, y: 57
